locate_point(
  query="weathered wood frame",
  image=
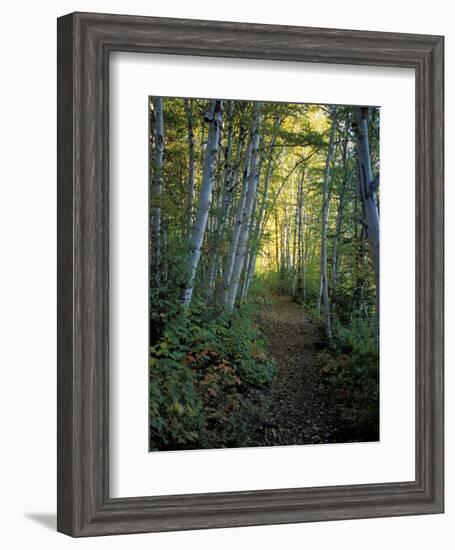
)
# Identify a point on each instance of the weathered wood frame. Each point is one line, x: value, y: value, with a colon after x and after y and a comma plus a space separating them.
x: 84, y: 43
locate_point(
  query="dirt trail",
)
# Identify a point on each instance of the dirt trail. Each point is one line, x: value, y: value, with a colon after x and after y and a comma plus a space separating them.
x: 298, y: 413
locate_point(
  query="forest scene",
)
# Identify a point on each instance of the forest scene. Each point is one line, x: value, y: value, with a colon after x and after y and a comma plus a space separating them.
x: 264, y: 273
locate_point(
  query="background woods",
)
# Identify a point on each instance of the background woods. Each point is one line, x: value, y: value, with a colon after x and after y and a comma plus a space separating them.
x: 264, y: 221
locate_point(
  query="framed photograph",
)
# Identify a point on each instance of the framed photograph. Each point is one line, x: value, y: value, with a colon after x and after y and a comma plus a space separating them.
x: 250, y: 274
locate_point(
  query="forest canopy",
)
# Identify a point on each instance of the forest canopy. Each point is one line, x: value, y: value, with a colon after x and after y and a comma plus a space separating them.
x: 249, y: 201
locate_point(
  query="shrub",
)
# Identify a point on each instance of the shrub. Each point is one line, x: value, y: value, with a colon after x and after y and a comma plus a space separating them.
x: 352, y: 373
x: 207, y: 375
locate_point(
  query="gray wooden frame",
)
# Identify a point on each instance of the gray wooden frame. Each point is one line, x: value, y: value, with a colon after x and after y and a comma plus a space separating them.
x: 84, y: 43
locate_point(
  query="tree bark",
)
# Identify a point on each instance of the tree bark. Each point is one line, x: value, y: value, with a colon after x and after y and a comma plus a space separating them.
x: 367, y: 189
x: 227, y: 275
x: 214, y: 118
x: 246, y: 218
x: 188, y: 104
x: 224, y: 206
x: 259, y: 224
x: 325, y: 216
x: 339, y: 218
x: 156, y: 192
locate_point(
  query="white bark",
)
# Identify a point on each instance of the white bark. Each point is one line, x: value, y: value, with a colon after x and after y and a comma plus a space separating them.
x: 300, y: 244
x: 222, y: 211
x: 367, y: 188
x: 339, y: 217
x: 325, y: 219
x: 227, y: 275
x: 259, y: 225
x: 156, y: 191
x: 213, y: 117
x: 242, y: 244
x: 188, y: 104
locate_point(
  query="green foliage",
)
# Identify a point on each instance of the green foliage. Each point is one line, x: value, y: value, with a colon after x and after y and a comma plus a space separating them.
x: 352, y: 374
x: 207, y: 375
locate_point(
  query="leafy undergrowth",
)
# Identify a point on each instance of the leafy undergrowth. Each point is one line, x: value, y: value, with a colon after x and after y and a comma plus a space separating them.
x: 351, y: 370
x: 208, y: 373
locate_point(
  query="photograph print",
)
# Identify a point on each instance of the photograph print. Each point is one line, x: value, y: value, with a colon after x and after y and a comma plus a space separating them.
x: 263, y: 273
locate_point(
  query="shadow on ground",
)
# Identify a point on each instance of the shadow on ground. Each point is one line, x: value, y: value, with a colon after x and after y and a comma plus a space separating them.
x: 46, y: 520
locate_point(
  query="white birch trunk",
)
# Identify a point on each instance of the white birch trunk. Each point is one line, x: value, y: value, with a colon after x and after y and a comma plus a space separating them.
x: 299, y: 275
x: 242, y: 244
x: 223, y: 207
x: 367, y: 187
x: 339, y: 223
x: 325, y: 219
x: 227, y: 276
x: 213, y: 117
x: 189, y: 113
x: 156, y: 191
x: 259, y: 225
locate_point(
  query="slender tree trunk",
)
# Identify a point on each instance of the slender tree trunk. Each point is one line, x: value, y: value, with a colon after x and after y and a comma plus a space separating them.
x: 299, y: 276
x: 339, y: 221
x: 156, y: 192
x: 227, y: 276
x: 325, y: 217
x: 277, y: 247
x: 367, y: 187
x: 213, y: 117
x: 188, y: 104
x: 359, y: 273
x: 303, y: 253
x: 224, y: 204
x: 242, y: 244
x: 259, y: 224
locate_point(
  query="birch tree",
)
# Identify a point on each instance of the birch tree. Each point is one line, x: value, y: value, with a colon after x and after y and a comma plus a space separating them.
x: 227, y: 276
x: 156, y: 191
x: 188, y: 105
x: 325, y: 217
x: 249, y: 201
x: 339, y: 216
x: 213, y: 117
x: 226, y: 188
x: 368, y: 185
x: 300, y: 241
x: 259, y: 227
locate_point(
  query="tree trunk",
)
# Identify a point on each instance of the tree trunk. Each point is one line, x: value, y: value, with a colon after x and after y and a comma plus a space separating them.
x: 252, y: 181
x: 325, y: 219
x: 277, y: 245
x: 299, y: 277
x: 156, y: 191
x: 339, y: 219
x: 224, y: 206
x: 227, y: 275
x: 259, y: 225
x: 188, y: 104
x: 213, y: 117
x: 367, y: 188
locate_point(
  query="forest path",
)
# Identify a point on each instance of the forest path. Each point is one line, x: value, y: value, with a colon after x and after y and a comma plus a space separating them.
x: 298, y: 412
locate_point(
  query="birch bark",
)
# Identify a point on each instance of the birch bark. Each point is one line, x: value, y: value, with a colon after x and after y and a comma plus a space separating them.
x: 325, y: 219
x: 188, y: 105
x: 223, y: 208
x: 259, y: 225
x: 156, y: 192
x: 339, y: 218
x: 252, y: 181
x: 227, y: 276
x: 367, y: 188
x: 214, y: 118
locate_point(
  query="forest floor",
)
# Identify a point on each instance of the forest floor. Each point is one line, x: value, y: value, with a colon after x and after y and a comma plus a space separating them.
x: 299, y: 412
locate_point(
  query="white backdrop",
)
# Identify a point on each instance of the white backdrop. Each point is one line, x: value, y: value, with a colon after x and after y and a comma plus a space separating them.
x: 28, y: 273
